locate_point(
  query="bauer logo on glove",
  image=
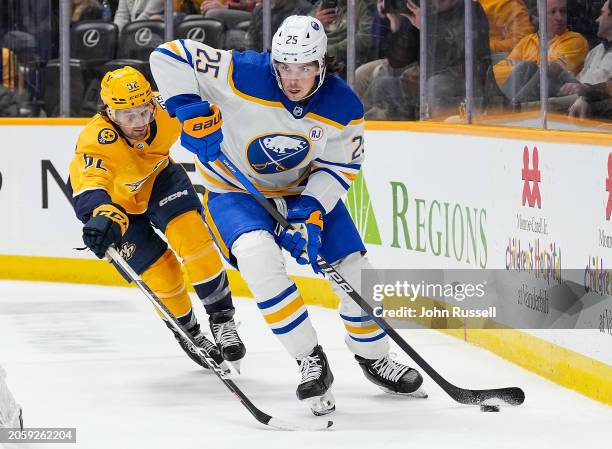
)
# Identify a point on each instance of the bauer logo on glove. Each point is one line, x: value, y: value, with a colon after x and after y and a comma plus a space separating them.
x: 202, y: 133
x: 203, y: 126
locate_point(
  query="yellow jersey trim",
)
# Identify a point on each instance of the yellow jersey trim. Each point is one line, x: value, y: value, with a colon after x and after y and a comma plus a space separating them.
x: 230, y: 81
x: 325, y: 120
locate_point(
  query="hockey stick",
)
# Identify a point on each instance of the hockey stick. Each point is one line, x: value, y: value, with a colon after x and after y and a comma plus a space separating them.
x: 260, y: 416
x: 509, y: 395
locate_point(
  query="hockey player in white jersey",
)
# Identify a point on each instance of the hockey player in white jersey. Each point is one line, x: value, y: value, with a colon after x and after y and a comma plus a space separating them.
x: 295, y: 129
x: 10, y: 412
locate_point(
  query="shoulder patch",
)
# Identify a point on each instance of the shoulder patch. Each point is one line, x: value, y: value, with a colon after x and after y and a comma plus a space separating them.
x: 107, y: 136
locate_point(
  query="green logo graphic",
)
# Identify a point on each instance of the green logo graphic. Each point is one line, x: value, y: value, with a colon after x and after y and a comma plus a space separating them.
x: 360, y: 207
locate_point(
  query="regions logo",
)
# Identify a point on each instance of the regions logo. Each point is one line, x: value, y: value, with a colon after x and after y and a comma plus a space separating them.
x: 531, y: 192
x: 275, y: 153
x: 106, y: 136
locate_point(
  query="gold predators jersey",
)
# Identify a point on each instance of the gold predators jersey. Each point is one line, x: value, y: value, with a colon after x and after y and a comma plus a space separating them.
x: 106, y: 161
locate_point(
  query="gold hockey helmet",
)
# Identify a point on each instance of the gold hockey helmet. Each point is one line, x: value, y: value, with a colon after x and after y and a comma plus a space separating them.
x: 128, y: 96
x: 125, y: 88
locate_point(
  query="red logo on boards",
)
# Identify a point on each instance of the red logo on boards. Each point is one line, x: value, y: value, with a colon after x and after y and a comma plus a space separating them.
x: 531, y: 178
x: 609, y: 187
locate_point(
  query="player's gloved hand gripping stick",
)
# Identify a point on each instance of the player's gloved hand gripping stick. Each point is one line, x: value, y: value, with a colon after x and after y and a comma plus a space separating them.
x: 262, y: 417
x: 306, y: 216
x: 108, y: 223
x: 497, y: 396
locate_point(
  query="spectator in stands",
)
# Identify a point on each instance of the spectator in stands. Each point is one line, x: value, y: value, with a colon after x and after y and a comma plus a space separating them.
x: 114, y: 4
x: 85, y: 10
x: 595, y: 102
x: 597, y: 69
x: 10, y: 83
x: 187, y: 6
x: 38, y: 18
x: 241, y: 5
x: 397, y: 97
x: 281, y: 9
x: 518, y: 75
x: 508, y: 23
x: 581, y: 15
x: 133, y: 10
x: 396, y: 44
x: 334, y: 22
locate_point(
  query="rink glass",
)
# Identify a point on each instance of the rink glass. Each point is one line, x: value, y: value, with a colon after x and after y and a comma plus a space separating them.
x: 433, y: 78
x: 29, y: 69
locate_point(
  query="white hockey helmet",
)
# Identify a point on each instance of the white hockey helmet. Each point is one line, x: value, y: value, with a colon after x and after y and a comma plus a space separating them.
x: 299, y: 40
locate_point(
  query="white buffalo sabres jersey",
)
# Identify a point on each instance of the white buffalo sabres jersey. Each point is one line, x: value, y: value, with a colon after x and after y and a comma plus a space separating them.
x: 284, y: 147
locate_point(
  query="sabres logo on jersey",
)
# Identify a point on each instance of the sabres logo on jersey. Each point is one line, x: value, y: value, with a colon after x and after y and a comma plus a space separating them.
x: 275, y: 153
x: 106, y: 136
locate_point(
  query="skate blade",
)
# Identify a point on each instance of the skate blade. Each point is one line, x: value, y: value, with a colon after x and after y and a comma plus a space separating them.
x: 321, y: 405
x: 236, y: 365
x: 224, y: 368
x: 418, y: 394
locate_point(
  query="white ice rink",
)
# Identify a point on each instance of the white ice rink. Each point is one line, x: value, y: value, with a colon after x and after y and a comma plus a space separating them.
x: 100, y: 360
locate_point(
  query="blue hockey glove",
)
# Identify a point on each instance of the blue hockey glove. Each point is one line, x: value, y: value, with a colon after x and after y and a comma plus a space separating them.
x: 106, y: 227
x: 201, y: 129
x: 307, y: 216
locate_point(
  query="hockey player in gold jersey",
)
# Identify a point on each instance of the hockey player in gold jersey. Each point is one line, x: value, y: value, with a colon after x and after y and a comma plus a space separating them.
x: 124, y: 184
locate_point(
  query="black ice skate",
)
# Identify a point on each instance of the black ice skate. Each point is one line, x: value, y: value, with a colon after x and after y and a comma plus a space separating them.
x: 224, y: 332
x: 203, y: 343
x: 316, y: 381
x: 392, y: 377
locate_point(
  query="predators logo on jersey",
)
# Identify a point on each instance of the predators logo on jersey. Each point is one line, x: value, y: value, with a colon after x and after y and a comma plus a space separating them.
x: 274, y: 153
x: 107, y: 136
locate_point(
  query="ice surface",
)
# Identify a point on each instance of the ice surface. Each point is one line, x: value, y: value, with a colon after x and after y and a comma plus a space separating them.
x: 98, y: 359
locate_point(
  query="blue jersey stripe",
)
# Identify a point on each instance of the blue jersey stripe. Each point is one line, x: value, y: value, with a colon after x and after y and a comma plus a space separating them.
x: 172, y: 55
x: 187, y: 52
x: 338, y: 164
x: 342, y: 182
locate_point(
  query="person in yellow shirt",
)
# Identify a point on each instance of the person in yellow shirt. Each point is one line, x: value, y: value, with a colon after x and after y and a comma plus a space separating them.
x: 124, y: 184
x: 518, y: 75
x: 508, y: 23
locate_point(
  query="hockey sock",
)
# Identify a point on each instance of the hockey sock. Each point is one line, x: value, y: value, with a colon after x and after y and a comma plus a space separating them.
x: 364, y: 337
x: 165, y: 278
x: 277, y: 297
x: 190, y: 238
